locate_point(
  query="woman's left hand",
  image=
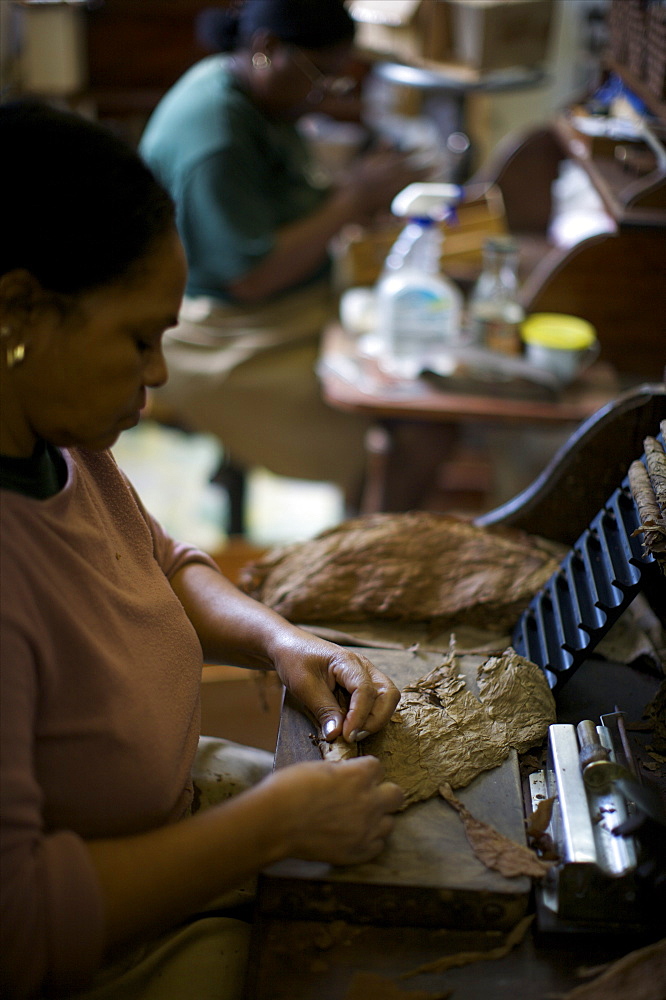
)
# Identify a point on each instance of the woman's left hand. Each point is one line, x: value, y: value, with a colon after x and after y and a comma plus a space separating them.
x: 235, y: 629
x: 311, y: 669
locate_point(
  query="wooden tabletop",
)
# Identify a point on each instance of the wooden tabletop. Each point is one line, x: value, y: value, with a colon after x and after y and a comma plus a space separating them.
x: 352, y: 381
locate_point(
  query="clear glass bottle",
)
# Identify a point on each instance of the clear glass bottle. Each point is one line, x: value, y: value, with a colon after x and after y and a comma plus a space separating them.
x: 495, y: 314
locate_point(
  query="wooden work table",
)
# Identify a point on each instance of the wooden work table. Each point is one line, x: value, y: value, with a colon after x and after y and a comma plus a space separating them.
x: 296, y: 957
x: 352, y: 381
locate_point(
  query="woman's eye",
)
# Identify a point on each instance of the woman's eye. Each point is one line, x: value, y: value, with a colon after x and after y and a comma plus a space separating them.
x: 142, y: 345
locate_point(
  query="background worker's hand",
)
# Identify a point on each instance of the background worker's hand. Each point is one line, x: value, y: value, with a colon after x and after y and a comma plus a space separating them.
x: 373, y: 181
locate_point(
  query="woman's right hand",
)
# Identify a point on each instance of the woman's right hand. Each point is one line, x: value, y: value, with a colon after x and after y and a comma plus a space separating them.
x: 341, y: 813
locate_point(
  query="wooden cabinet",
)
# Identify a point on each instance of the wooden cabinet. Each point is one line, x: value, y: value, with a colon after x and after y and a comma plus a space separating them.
x: 137, y: 49
x: 616, y: 280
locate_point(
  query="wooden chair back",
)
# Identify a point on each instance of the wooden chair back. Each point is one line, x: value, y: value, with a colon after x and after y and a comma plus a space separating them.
x: 578, y: 481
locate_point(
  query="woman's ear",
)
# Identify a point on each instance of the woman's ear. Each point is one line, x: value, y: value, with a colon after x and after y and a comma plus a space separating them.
x: 28, y: 315
x: 20, y: 295
x: 22, y: 299
x: 264, y: 42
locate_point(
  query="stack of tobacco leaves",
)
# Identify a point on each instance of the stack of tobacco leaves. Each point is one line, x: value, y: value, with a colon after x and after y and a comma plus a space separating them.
x: 408, y: 567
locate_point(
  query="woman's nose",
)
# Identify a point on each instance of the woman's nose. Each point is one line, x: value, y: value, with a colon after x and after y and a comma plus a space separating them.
x: 156, y: 372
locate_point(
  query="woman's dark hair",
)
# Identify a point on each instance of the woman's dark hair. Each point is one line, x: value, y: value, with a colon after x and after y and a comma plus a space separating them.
x: 80, y: 207
x: 313, y: 24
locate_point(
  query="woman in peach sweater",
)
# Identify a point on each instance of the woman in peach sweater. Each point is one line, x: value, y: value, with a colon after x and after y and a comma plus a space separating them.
x: 106, y: 620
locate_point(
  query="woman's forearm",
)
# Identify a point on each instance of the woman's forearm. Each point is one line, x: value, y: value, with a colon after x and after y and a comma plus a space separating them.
x: 300, y: 249
x: 338, y: 813
x: 237, y: 630
x: 232, y: 627
x: 152, y: 881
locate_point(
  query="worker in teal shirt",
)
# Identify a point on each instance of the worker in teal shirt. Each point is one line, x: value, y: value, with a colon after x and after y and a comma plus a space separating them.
x: 237, y: 176
x: 257, y: 230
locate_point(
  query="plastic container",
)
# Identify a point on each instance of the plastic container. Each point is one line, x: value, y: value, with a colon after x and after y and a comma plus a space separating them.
x: 559, y: 343
x: 418, y: 308
x: 358, y: 310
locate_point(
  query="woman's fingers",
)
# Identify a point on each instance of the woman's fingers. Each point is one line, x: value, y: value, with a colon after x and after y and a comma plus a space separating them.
x: 341, y: 813
x: 369, y: 715
x: 324, y: 668
x: 394, y: 796
x: 373, y: 699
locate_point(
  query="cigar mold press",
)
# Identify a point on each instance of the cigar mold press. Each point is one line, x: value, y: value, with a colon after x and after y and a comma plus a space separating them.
x: 590, y: 780
x: 601, y: 879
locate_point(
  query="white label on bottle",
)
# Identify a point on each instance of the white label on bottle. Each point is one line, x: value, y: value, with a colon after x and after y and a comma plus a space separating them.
x: 421, y: 320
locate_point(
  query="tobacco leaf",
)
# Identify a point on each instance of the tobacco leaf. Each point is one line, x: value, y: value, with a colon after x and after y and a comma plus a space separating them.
x: 654, y: 716
x: 410, y: 567
x: 538, y: 821
x: 643, y: 493
x: 418, y: 637
x: 653, y: 523
x: 370, y: 986
x: 536, y: 826
x: 640, y: 975
x: 442, y: 732
x: 493, y: 849
x: 337, y: 749
x: 513, y: 938
x: 656, y: 466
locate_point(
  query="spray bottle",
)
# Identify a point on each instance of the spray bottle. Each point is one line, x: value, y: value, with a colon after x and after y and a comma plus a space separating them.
x: 418, y: 309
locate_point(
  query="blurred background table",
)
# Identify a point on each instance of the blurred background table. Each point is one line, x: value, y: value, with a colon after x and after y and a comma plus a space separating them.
x: 352, y: 381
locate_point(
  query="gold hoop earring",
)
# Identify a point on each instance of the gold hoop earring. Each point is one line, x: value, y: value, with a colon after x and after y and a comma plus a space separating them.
x: 260, y: 60
x: 15, y: 355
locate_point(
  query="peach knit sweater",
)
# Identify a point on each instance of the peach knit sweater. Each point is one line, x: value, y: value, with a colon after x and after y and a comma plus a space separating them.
x: 99, y: 700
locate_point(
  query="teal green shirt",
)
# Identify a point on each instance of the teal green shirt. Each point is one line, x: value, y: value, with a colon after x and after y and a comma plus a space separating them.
x: 235, y: 175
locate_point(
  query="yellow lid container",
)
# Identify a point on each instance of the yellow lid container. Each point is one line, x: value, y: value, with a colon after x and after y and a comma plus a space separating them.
x: 558, y: 331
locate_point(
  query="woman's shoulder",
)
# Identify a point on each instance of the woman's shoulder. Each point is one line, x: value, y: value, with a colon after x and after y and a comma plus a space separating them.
x: 203, y: 113
x: 208, y: 86
x: 95, y: 509
x: 85, y: 471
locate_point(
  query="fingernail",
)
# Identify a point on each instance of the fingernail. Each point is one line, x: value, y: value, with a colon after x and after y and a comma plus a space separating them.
x: 362, y: 734
x: 353, y: 736
x: 328, y: 727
